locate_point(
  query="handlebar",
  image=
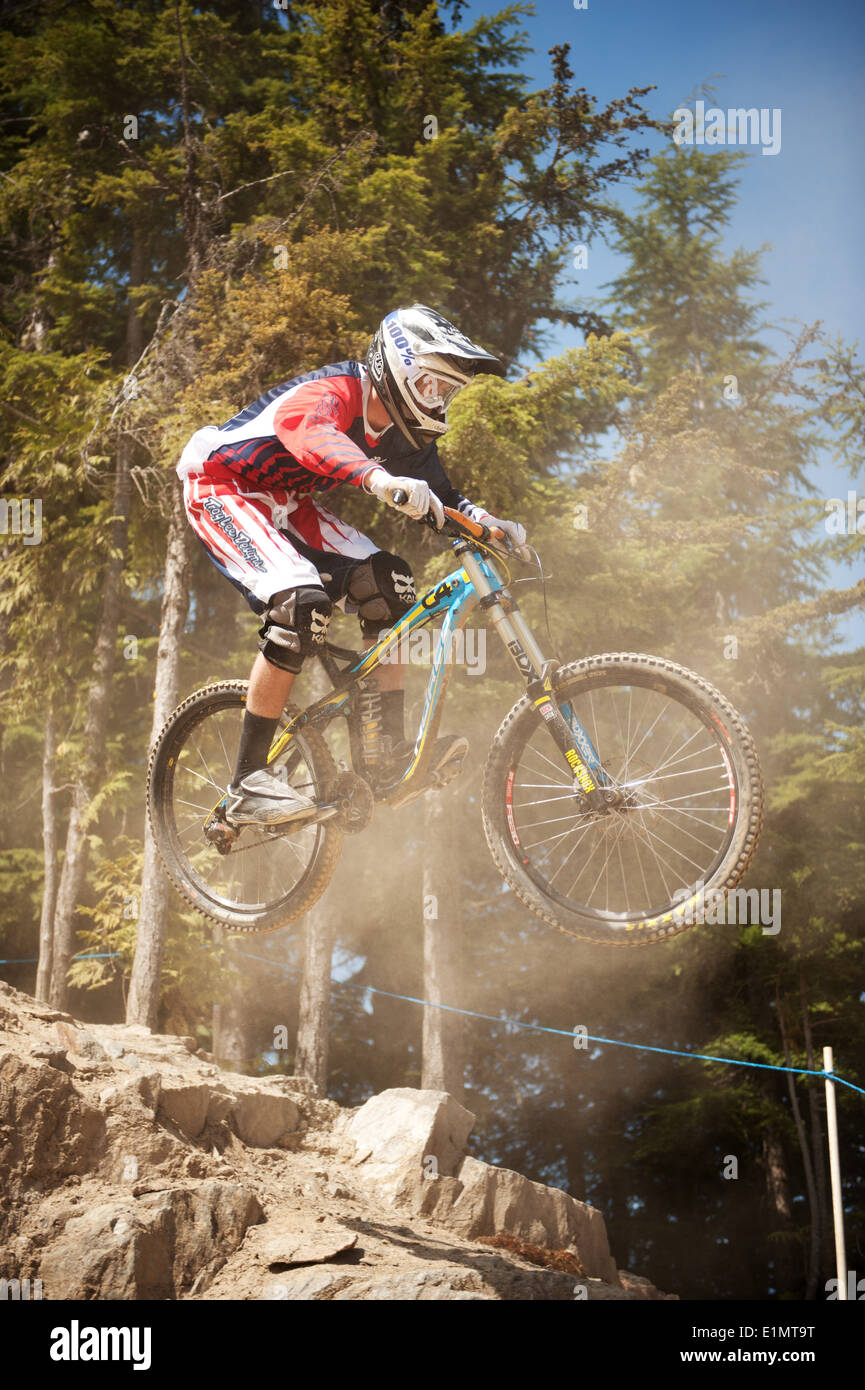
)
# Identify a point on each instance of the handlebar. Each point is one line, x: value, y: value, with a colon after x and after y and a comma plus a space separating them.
x: 456, y: 524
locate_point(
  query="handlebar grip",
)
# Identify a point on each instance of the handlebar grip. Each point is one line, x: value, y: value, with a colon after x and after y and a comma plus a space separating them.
x: 400, y: 497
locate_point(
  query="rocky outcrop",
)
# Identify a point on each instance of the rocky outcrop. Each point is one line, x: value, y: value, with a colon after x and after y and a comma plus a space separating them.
x: 162, y: 1245
x: 410, y: 1146
x: 131, y: 1167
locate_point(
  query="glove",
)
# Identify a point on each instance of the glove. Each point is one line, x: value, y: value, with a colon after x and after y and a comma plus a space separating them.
x: 515, y: 532
x: 421, y: 500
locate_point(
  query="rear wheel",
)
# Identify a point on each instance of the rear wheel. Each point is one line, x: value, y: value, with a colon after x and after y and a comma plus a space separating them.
x: 254, y: 880
x: 690, y: 802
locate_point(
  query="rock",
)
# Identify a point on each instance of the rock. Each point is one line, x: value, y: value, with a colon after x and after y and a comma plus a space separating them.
x: 644, y: 1289
x: 185, y: 1104
x: 114, y: 1048
x: 303, y: 1284
x: 146, y: 1087
x: 401, y: 1135
x: 295, y: 1245
x: 491, y: 1200
x: 262, y: 1119
x: 48, y: 1132
x: 409, y: 1148
x: 155, y: 1248
x: 80, y: 1042
x: 52, y: 1056
x: 219, y: 1106
x: 452, y: 1283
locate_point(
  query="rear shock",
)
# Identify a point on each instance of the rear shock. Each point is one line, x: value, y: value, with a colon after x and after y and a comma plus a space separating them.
x: 371, y: 725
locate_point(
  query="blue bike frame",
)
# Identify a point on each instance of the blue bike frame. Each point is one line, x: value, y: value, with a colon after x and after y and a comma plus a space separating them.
x: 478, y: 582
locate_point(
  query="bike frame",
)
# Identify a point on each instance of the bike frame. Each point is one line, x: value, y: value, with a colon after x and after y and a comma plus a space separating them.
x: 479, y: 582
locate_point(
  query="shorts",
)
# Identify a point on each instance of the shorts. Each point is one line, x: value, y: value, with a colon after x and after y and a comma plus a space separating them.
x: 266, y: 542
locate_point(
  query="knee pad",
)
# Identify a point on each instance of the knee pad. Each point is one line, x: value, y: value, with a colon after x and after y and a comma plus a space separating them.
x: 295, y: 626
x: 381, y: 589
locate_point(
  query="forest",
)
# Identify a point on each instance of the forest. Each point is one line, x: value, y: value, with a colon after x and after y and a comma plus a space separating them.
x: 198, y: 202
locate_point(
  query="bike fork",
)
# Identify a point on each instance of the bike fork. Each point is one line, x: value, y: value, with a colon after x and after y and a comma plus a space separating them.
x: 591, y: 782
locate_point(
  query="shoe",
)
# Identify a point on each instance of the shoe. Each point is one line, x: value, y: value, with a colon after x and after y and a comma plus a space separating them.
x: 448, y: 756
x: 259, y: 798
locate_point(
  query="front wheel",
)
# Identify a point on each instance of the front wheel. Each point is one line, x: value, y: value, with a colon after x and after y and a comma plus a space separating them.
x: 689, y: 802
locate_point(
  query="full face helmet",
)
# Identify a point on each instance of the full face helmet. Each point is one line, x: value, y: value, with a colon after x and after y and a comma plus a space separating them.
x: 417, y: 362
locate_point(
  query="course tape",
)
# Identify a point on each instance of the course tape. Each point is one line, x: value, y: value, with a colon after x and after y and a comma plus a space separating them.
x: 516, y: 1023
x: 563, y: 1032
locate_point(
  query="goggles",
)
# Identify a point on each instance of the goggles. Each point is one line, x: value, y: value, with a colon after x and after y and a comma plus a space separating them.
x: 431, y: 390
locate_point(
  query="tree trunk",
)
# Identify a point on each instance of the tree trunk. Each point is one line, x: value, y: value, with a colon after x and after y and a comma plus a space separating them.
x: 780, y: 1211
x: 813, y: 1268
x: 232, y: 1038
x: 49, y: 845
x: 442, y: 1031
x: 818, y: 1138
x: 99, y: 694
x: 313, y: 1024
x: 143, y: 1003
x: 95, y: 729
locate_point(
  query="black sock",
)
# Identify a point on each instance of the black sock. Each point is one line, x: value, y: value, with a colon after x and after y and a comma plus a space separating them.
x: 256, y: 736
x: 393, y: 715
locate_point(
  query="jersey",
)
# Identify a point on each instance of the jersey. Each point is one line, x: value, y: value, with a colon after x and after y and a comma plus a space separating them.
x: 310, y: 434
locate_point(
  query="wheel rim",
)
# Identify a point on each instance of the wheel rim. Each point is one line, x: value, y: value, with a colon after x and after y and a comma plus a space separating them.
x: 261, y: 870
x: 642, y: 861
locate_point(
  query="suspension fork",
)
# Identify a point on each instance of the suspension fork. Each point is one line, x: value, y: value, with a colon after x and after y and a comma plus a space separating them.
x: 590, y: 781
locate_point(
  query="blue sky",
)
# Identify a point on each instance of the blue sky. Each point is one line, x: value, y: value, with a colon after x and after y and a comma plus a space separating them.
x: 808, y: 201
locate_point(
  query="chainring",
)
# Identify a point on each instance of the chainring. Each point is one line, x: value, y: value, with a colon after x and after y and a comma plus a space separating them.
x: 356, y: 802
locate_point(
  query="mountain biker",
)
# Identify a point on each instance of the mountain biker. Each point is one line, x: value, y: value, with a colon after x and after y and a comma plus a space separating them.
x: 248, y: 488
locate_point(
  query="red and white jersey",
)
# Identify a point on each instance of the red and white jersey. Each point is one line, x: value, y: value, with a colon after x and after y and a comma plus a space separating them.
x: 310, y: 434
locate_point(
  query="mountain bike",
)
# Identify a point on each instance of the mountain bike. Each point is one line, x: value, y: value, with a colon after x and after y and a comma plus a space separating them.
x: 617, y: 790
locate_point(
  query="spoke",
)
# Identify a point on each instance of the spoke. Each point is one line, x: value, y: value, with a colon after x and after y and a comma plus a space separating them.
x: 567, y: 858
x: 208, y: 781
x: 600, y: 871
x: 543, y: 801
x: 636, y: 844
x: 228, y: 762
x: 530, y: 748
x: 552, y: 820
x: 196, y: 805
x: 548, y: 838
x: 624, y: 877
x: 667, y: 776
x: 661, y: 712
x: 546, y: 786
x: 681, y: 811
x: 206, y: 769
x: 683, y: 830
x: 660, y: 864
x: 681, y: 853
x: 695, y: 752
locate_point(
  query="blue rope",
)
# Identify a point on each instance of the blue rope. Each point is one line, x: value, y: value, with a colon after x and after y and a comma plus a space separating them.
x: 33, y: 960
x: 563, y: 1032
x: 516, y: 1023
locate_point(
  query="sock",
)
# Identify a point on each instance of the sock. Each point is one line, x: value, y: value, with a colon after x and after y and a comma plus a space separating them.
x: 256, y: 737
x: 393, y: 715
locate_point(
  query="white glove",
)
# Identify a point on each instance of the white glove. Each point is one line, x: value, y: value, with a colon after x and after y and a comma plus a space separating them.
x: 515, y: 532
x: 421, y: 500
